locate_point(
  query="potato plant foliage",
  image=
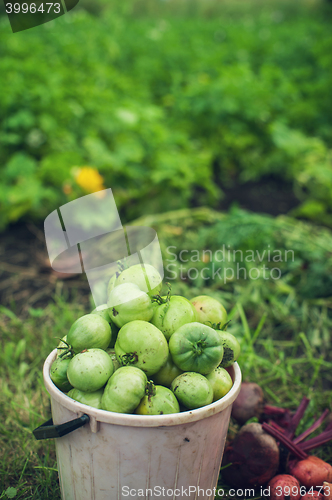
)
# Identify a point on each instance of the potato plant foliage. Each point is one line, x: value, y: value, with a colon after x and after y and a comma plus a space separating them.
x: 170, y: 105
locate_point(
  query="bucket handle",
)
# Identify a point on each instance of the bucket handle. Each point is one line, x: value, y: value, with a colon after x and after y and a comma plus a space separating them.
x: 48, y: 430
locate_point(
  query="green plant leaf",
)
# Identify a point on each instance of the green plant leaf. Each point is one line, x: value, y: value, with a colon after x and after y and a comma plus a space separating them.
x: 11, y: 492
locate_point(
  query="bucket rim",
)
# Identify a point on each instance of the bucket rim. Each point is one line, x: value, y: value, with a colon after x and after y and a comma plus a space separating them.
x: 134, y: 420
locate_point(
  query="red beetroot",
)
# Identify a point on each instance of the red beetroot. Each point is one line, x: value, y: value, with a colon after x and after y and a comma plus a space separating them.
x: 313, y: 495
x: 254, y: 456
x: 310, y: 472
x: 249, y: 403
x: 284, y: 487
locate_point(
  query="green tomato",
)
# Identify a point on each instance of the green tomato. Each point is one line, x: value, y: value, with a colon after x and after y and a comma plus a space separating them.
x: 58, y: 374
x: 146, y: 277
x: 115, y: 361
x: 173, y: 313
x: 124, y: 390
x: 89, y: 332
x: 103, y: 312
x: 160, y: 401
x: 209, y: 311
x: 87, y: 398
x: 231, y: 347
x: 196, y: 348
x: 89, y: 370
x: 167, y: 373
x: 141, y: 344
x: 128, y: 303
x: 111, y: 283
x: 192, y: 390
x: 221, y: 382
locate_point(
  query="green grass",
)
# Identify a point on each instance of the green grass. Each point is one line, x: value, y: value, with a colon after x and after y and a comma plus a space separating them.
x: 286, y: 370
x: 284, y: 348
x: 26, y: 464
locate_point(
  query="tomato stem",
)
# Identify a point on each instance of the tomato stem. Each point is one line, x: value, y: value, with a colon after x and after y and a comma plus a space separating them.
x: 158, y: 298
x: 150, y: 389
x: 129, y: 358
x: 219, y: 326
x: 168, y: 297
x: 122, y: 264
x: 198, y: 347
x: 67, y: 351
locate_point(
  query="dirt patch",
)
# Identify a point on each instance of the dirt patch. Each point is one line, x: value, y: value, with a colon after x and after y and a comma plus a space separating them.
x: 26, y: 278
x: 269, y: 195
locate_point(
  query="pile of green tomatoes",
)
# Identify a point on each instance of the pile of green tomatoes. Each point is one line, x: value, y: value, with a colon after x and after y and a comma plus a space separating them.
x: 144, y: 353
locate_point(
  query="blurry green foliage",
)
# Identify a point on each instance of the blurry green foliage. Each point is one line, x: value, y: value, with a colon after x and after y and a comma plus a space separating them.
x: 172, y: 105
x: 206, y: 252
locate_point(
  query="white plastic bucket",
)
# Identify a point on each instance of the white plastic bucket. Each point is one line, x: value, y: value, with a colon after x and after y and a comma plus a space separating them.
x: 117, y: 456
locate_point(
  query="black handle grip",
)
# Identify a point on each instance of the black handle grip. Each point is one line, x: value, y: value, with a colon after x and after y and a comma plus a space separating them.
x: 48, y: 430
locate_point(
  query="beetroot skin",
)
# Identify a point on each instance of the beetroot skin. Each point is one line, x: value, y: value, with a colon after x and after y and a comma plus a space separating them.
x: 277, y: 488
x: 254, y: 456
x: 249, y: 403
